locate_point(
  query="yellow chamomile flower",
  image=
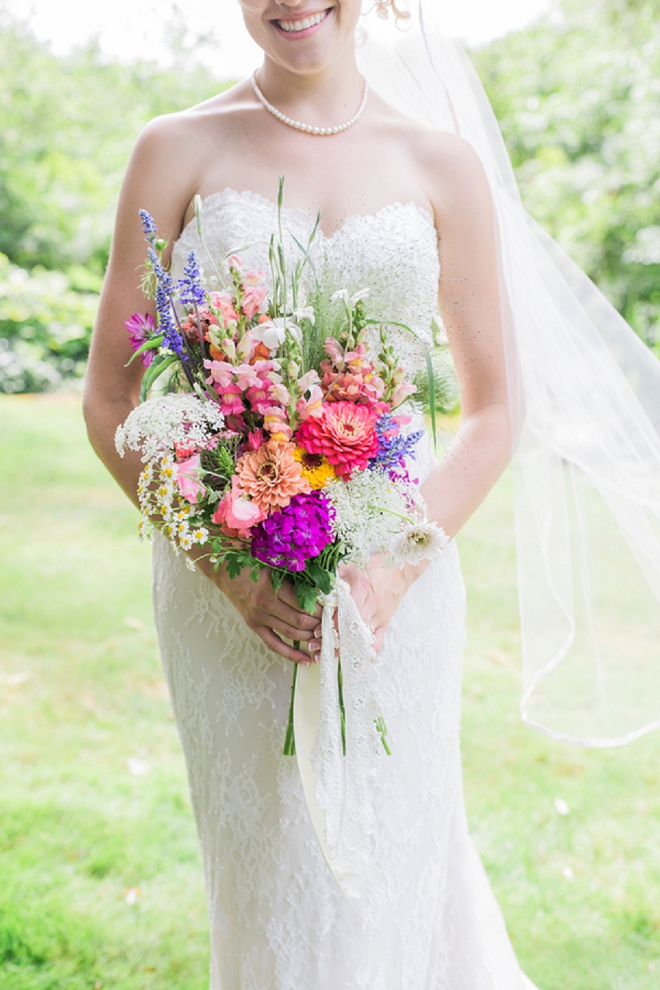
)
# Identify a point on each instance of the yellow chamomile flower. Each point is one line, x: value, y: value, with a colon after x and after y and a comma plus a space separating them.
x: 315, y: 468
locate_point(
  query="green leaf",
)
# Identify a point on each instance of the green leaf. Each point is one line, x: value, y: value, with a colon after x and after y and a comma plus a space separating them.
x: 277, y: 579
x: 323, y: 579
x: 148, y: 346
x: 154, y: 371
x: 306, y: 594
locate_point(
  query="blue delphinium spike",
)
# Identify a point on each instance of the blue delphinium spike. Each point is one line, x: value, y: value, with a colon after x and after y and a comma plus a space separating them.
x: 166, y: 323
x: 148, y: 225
x: 190, y: 290
x: 393, y: 449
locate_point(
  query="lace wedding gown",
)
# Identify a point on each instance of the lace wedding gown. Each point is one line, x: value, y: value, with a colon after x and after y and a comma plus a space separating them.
x: 278, y: 919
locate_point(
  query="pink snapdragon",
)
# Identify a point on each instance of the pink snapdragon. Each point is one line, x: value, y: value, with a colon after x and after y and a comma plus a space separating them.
x: 311, y: 406
x: 276, y: 423
x: 222, y: 378
x: 253, y: 300
x: 188, y: 478
x: 351, y: 377
x: 402, y: 388
x: 224, y: 301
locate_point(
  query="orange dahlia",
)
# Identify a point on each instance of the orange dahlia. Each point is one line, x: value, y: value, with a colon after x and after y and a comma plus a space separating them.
x: 271, y: 476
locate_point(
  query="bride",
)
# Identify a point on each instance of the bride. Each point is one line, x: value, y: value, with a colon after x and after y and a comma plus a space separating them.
x: 410, y: 212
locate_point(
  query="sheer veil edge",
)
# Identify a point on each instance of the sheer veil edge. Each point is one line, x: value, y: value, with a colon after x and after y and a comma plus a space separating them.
x: 585, y: 401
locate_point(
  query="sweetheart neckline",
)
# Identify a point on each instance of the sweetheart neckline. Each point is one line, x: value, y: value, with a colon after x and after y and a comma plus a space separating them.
x: 248, y: 195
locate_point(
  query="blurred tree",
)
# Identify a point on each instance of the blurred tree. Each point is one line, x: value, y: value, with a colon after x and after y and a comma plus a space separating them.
x: 578, y: 98
x: 66, y: 129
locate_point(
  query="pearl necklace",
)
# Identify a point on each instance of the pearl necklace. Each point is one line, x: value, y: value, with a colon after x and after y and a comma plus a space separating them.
x: 307, y: 128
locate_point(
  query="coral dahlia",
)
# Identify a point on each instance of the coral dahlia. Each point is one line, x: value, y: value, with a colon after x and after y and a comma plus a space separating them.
x: 345, y: 433
x: 271, y: 476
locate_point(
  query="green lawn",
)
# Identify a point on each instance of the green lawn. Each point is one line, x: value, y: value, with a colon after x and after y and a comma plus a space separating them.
x: 100, y: 880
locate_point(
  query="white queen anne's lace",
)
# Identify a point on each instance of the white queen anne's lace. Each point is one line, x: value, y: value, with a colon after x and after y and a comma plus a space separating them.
x: 155, y: 426
x: 278, y: 920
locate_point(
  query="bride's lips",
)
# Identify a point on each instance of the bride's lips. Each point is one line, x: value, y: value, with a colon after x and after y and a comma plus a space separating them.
x: 302, y: 26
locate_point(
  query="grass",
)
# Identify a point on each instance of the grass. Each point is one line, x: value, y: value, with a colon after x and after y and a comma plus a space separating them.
x: 100, y: 879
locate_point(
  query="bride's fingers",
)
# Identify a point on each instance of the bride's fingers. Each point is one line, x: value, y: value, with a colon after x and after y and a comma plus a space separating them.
x: 277, y: 645
x: 287, y: 595
x: 288, y: 631
x: 283, y: 612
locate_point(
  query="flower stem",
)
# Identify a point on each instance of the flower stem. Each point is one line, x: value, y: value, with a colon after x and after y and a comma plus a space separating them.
x: 342, y: 710
x: 290, y: 738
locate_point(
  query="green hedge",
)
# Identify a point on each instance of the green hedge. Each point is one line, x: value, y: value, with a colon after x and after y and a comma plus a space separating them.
x: 45, y: 326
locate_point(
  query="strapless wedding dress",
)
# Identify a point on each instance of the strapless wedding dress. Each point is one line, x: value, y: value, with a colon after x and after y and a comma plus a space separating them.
x: 278, y: 920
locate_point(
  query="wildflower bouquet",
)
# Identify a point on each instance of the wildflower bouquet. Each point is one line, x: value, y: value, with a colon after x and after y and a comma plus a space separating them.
x: 279, y: 442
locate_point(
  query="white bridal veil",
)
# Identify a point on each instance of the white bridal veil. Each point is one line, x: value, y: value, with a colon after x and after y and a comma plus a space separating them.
x: 585, y: 395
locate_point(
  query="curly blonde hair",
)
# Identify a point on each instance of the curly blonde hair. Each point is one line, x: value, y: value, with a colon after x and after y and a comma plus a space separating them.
x: 383, y: 8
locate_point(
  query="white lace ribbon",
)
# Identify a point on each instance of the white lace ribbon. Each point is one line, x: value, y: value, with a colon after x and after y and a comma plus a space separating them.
x: 339, y: 788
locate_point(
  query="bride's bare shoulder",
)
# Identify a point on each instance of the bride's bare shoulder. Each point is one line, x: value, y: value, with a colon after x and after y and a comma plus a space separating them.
x: 453, y: 172
x: 189, y: 132
x: 448, y: 165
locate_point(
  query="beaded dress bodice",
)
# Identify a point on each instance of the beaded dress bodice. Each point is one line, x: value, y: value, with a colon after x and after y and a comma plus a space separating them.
x: 393, y: 253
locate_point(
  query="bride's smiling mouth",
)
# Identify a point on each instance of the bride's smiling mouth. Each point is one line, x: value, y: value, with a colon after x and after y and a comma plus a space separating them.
x: 302, y: 27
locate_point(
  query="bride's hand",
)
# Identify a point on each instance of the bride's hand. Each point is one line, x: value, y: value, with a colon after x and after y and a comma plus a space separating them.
x: 377, y: 592
x: 272, y: 616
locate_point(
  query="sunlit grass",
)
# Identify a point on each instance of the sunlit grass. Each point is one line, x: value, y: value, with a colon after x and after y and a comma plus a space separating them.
x: 100, y: 879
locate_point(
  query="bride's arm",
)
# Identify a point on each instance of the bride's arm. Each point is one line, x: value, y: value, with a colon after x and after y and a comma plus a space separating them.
x: 471, y: 308
x: 162, y: 178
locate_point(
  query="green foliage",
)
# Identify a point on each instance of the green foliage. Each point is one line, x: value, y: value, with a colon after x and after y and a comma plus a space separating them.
x: 578, y: 99
x: 67, y: 126
x: 45, y: 326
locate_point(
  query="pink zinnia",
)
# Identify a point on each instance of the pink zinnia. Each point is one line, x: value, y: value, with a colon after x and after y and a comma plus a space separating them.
x: 140, y: 328
x: 345, y: 433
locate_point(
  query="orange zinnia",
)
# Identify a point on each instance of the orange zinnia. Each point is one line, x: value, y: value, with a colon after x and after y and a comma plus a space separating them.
x: 271, y: 476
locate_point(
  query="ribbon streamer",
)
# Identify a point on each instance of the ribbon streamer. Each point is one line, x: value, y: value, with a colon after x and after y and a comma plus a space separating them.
x: 338, y: 788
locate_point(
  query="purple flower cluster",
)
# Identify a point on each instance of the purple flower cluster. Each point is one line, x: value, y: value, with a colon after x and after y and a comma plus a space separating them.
x: 393, y: 448
x: 172, y: 339
x: 295, y: 534
x: 148, y: 225
x: 191, y: 292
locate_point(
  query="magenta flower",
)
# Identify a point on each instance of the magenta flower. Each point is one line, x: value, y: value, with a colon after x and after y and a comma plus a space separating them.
x: 140, y: 328
x: 295, y: 534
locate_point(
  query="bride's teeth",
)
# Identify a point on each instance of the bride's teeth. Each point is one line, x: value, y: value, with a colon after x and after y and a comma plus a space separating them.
x: 307, y: 22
